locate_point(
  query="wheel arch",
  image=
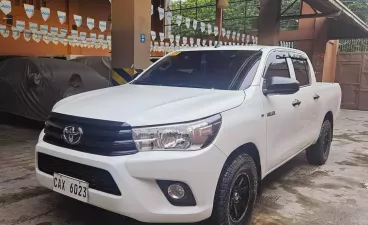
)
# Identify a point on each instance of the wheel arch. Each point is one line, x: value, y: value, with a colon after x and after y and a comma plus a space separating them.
x: 252, y: 150
x: 329, y: 117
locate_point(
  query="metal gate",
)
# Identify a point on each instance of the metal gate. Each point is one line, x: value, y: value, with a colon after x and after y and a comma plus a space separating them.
x: 352, y: 74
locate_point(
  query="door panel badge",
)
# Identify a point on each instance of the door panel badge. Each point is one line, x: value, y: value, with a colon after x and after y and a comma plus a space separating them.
x: 271, y: 113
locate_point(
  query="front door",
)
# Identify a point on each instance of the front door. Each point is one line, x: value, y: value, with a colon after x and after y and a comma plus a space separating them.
x: 282, y: 116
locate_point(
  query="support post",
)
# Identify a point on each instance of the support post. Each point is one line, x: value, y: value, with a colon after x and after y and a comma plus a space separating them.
x: 130, y: 38
x: 269, y: 22
x: 219, y: 19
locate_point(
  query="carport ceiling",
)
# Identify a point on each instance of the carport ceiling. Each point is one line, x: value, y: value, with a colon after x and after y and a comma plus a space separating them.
x: 345, y: 25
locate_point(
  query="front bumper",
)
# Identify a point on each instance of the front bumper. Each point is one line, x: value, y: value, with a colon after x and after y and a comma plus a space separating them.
x: 136, y: 175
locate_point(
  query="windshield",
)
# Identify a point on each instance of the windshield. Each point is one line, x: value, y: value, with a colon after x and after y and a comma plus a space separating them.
x: 214, y: 69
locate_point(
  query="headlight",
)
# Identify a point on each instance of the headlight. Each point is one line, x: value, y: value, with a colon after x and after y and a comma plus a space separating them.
x: 186, y: 136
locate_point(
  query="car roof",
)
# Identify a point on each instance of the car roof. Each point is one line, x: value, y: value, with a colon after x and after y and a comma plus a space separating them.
x: 263, y: 48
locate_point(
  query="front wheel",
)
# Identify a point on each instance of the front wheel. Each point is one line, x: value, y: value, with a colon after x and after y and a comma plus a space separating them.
x: 318, y: 153
x: 236, y: 192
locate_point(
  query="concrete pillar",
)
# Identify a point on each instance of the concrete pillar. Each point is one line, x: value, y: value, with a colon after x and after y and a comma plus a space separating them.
x: 130, y: 38
x: 315, y: 46
x: 330, y: 60
x: 269, y: 22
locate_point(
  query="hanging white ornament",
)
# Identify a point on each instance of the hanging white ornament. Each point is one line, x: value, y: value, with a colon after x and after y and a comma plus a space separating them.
x: 83, y: 35
x: 74, y: 33
x: 78, y: 20
x: 27, y: 35
x: 153, y: 35
x: 2, y: 29
x: 55, y: 40
x: 44, y: 29
x: 233, y: 36
x: 33, y: 27
x: 45, y: 12
x: 191, y: 41
x: 172, y: 38
x: 90, y: 23
x: 216, y: 30
x: 5, y: 6
x: 63, y: 32
x: 209, y: 28
x: 177, y: 39
x: 103, y: 26
x: 93, y: 36
x: 54, y: 30
x: 20, y: 25
x: 29, y: 9
x: 195, y: 24
x: 203, y: 26
x: 61, y: 16
x: 204, y: 42
x: 198, y: 44
x: 161, y: 13
x: 187, y: 22
x: 169, y: 16
x: 37, y: 36
x: 228, y: 33
x: 185, y: 41
x: 46, y: 39
x: 162, y: 36
x: 179, y: 19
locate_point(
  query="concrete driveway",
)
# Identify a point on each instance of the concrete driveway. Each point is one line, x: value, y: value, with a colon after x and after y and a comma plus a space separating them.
x: 297, y: 193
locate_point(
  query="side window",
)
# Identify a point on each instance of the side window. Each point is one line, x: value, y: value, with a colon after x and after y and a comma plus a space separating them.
x: 278, y: 67
x: 301, y: 69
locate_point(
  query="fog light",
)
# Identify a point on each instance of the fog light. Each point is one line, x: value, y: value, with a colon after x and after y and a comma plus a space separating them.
x: 176, y: 191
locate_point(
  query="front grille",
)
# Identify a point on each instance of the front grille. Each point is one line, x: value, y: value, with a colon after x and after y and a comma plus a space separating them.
x: 99, y: 137
x: 97, y: 179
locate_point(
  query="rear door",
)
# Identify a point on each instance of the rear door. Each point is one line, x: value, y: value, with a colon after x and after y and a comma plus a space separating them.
x: 282, y: 117
x: 309, y: 107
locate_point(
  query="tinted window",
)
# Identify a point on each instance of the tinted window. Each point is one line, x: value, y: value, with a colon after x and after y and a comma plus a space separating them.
x: 301, y: 69
x: 213, y: 69
x: 278, y: 67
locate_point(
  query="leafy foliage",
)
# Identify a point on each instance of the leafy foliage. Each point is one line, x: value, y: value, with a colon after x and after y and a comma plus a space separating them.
x: 241, y: 16
x: 360, y: 8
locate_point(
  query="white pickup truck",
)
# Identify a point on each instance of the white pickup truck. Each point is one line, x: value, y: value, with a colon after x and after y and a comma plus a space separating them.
x: 192, y: 137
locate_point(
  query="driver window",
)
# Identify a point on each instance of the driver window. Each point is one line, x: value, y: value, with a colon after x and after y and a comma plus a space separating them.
x: 278, y: 67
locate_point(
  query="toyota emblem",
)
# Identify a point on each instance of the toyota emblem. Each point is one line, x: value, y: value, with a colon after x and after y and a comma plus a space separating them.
x: 72, y: 135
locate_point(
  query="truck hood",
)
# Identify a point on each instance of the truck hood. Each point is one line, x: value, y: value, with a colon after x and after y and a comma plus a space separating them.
x: 141, y: 105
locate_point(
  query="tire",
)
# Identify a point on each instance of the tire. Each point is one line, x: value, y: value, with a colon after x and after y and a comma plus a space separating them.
x: 318, y: 153
x: 232, y: 193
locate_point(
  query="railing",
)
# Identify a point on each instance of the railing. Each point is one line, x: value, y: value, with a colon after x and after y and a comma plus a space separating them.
x: 353, y: 45
x: 288, y: 44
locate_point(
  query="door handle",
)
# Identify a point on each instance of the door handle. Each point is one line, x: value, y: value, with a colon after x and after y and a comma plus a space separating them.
x: 316, y: 97
x: 296, y: 102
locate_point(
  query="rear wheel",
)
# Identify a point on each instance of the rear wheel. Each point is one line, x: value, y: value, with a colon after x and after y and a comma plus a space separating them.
x: 236, y: 192
x: 318, y: 153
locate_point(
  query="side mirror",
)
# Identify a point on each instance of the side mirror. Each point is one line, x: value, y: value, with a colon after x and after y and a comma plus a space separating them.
x: 281, y: 85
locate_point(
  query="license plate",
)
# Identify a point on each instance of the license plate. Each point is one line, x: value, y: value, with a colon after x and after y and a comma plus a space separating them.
x: 71, y: 187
